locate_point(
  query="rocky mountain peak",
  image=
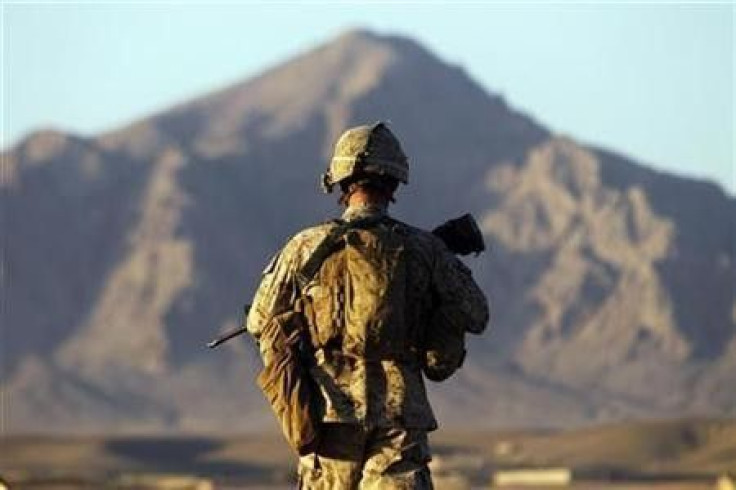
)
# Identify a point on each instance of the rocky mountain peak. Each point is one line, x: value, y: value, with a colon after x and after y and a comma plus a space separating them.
x: 613, y: 287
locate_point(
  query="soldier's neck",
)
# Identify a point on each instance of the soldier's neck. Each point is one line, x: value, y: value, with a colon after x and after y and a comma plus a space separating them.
x: 363, y: 207
x: 361, y: 198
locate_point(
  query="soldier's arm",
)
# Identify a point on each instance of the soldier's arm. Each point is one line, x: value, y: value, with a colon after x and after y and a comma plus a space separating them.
x: 460, y: 307
x: 460, y: 297
x: 275, y: 294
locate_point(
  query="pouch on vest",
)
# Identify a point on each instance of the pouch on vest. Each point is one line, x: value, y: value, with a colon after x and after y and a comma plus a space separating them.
x: 287, y: 384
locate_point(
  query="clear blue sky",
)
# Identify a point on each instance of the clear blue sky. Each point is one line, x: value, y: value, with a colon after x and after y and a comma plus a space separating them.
x: 652, y: 81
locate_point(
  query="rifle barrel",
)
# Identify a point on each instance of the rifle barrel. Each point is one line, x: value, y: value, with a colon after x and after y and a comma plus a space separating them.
x: 226, y: 336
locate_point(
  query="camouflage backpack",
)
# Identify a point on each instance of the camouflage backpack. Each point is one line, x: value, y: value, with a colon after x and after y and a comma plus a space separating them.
x: 358, y: 297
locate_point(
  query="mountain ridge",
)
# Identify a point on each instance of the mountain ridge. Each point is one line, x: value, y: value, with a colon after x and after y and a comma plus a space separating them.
x: 129, y: 250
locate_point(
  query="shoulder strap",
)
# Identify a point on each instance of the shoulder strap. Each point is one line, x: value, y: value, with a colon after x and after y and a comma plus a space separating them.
x: 326, y: 247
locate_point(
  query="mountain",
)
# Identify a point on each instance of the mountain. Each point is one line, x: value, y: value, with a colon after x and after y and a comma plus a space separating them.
x: 613, y: 286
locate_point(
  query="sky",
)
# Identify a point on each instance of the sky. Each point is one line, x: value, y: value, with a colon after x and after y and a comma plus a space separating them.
x: 650, y: 80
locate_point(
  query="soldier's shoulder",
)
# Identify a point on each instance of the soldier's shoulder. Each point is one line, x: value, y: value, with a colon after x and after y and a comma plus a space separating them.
x: 308, y: 238
x: 419, y: 237
x: 310, y: 232
x: 316, y: 231
x: 422, y: 248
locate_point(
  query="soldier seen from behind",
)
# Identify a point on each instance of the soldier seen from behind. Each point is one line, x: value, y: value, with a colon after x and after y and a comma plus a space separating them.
x: 350, y: 316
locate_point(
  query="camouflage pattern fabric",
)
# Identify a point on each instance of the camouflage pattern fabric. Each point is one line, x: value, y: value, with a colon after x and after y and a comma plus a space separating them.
x: 389, y: 304
x: 352, y: 457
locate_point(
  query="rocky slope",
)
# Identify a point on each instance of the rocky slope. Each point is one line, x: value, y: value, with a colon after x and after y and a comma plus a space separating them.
x: 613, y: 286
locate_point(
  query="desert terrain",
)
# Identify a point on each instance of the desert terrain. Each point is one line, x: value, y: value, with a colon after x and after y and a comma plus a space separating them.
x: 665, y: 455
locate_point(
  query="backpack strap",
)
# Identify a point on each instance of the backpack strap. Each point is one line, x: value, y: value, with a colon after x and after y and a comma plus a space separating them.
x: 323, y: 250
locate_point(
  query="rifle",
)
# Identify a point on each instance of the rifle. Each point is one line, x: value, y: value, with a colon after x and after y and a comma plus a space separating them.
x: 461, y: 235
x: 232, y: 333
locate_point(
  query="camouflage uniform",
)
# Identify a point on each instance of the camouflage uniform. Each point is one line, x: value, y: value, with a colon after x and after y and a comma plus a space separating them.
x: 376, y: 413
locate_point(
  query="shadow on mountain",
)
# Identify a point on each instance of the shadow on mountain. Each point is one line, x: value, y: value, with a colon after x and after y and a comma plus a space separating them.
x: 702, y: 253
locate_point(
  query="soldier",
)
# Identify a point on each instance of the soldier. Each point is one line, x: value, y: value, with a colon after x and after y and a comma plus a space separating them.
x: 387, y: 303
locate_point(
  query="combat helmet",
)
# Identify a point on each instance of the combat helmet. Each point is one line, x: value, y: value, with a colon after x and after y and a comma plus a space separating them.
x: 366, y: 151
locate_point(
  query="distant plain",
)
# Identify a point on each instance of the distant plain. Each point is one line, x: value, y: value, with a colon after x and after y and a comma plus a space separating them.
x: 665, y: 455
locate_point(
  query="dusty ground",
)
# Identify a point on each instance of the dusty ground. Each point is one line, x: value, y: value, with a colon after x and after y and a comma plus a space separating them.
x: 671, y: 455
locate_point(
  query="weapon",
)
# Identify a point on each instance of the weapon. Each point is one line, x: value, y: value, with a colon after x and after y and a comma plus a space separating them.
x: 232, y: 333
x: 461, y: 235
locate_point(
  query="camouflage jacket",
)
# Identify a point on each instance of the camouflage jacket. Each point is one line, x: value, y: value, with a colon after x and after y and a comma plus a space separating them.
x: 370, y: 372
